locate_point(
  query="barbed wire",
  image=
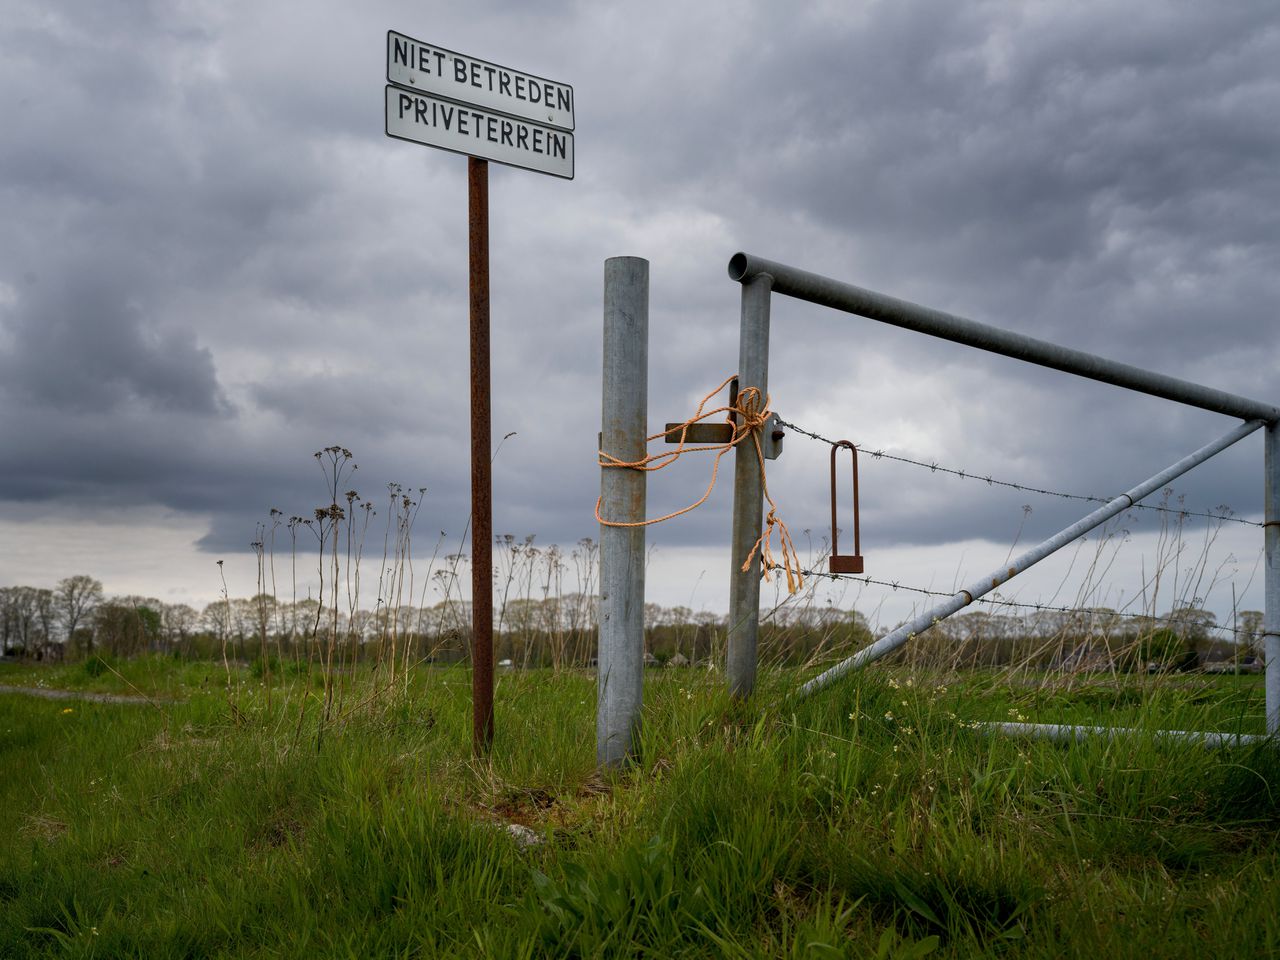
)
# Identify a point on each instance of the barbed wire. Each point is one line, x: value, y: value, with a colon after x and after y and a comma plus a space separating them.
x: 1001, y: 602
x: 1226, y: 515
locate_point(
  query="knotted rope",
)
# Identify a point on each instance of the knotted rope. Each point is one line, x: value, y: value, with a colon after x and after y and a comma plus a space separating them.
x: 747, y: 417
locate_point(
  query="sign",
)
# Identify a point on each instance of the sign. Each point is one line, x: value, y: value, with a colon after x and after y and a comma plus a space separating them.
x: 429, y: 69
x: 479, y: 133
x: 443, y: 99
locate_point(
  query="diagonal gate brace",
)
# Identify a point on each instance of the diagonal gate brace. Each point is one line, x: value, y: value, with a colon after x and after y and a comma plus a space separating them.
x: 909, y: 631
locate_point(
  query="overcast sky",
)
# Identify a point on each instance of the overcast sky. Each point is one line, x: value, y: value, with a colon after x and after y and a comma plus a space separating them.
x: 213, y: 263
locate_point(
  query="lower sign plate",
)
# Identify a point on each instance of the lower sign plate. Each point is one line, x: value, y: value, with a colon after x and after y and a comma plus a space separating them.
x: 478, y: 133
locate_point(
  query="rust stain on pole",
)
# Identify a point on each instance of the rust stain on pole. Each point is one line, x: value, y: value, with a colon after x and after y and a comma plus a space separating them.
x: 481, y: 461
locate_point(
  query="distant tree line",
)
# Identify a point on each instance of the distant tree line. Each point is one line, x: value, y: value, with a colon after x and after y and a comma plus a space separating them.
x: 75, y: 619
x: 1091, y: 639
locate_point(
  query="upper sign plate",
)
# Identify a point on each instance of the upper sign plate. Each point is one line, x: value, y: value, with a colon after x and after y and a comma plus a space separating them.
x: 425, y: 68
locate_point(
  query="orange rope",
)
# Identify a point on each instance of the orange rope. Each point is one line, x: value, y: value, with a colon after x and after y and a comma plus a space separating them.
x: 752, y: 416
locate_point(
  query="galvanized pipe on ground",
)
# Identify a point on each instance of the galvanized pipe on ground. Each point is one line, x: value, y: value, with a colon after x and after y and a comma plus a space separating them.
x: 1076, y: 733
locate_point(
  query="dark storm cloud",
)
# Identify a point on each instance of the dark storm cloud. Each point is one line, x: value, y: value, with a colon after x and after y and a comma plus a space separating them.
x: 168, y: 233
x: 1109, y: 186
x: 79, y: 344
x: 1088, y: 175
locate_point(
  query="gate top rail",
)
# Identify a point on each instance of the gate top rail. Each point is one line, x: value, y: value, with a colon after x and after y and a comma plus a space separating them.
x: 803, y: 285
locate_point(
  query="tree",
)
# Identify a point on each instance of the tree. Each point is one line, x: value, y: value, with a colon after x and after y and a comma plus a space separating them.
x: 216, y: 620
x: 115, y: 628
x: 45, y: 616
x: 1164, y: 649
x: 7, y: 625
x: 1249, y: 635
x: 150, y: 623
x: 12, y: 620
x: 178, y: 623
x: 22, y: 619
x: 264, y: 605
x: 75, y: 599
x: 1193, y: 625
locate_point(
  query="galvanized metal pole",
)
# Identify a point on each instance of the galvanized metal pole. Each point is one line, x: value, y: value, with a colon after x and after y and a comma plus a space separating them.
x: 892, y: 641
x: 481, y: 463
x: 622, y: 499
x: 1271, y: 583
x: 748, y: 494
x: 803, y: 285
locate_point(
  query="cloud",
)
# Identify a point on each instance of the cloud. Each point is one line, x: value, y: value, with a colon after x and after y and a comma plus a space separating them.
x: 213, y: 263
x: 80, y: 343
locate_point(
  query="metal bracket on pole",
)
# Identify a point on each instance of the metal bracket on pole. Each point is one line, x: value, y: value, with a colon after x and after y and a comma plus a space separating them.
x: 699, y: 433
x: 771, y: 435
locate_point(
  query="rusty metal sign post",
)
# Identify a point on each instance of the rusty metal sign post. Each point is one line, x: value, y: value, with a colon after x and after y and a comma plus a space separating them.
x: 481, y: 464
x: 466, y: 105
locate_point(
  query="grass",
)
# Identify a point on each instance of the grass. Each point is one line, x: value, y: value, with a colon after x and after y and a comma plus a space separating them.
x: 868, y: 822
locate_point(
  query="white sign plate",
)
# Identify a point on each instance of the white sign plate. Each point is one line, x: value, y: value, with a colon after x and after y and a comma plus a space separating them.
x: 428, y: 69
x: 478, y: 133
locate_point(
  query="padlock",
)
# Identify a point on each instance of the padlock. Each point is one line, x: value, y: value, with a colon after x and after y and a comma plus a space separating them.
x: 848, y: 563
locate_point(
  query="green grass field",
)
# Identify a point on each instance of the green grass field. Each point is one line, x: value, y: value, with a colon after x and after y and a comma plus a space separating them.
x: 872, y: 821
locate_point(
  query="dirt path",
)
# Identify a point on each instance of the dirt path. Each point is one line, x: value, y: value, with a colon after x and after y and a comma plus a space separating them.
x: 80, y: 695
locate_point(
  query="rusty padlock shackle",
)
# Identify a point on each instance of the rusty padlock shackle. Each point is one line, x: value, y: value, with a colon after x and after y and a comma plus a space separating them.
x: 847, y: 563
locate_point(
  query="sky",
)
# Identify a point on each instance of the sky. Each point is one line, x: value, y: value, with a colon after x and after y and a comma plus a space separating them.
x: 214, y: 263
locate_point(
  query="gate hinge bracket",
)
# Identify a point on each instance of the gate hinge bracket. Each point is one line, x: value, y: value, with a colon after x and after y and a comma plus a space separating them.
x: 771, y: 435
